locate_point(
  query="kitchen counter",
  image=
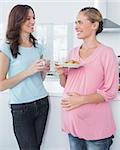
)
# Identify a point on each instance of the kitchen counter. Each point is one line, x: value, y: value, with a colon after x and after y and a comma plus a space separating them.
x: 53, y: 87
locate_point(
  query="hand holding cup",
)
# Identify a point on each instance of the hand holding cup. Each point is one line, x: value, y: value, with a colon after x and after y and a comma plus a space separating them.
x: 45, y: 65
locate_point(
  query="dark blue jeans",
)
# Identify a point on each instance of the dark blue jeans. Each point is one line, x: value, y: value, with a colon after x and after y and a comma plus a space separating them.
x: 29, y: 122
x: 81, y: 144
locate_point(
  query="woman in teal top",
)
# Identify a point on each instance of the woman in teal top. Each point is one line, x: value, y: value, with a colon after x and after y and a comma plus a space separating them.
x: 20, y: 60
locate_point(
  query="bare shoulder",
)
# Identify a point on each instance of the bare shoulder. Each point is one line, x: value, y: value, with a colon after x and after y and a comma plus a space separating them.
x: 3, y: 57
x: 4, y: 65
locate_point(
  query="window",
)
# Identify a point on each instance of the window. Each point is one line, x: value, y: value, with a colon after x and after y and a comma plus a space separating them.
x: 41, y: 34
x: 57, y: 38
x: 60, y: 44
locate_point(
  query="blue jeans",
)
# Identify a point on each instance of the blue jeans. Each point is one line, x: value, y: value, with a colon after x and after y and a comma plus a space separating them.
x: 29, y: 122
x: 81, y: 144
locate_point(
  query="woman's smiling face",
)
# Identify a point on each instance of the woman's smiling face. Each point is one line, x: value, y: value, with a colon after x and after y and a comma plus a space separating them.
x: 84, y: 27
x: 28, y: 25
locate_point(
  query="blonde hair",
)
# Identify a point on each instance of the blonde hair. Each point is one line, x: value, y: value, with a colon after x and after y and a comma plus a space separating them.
x: 94, y: 15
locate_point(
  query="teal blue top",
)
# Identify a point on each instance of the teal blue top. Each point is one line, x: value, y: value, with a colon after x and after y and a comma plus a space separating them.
x: 31, y: 88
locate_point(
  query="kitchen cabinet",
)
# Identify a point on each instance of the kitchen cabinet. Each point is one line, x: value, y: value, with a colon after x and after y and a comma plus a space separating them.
x: 7, y: 139
x: 115, y: 105
x: 54, y: 138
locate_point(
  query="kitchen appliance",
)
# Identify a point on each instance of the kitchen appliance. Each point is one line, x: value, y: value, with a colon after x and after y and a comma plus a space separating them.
x: 119, y: 70
x: 108, y: 25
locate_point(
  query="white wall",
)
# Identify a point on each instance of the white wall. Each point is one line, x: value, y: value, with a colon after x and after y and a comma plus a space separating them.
x: 113, y: 13
x: 48, y: 11
x: 114, y: 10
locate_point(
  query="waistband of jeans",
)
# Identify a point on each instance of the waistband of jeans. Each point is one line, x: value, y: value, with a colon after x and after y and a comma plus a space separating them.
x: 30, y: 103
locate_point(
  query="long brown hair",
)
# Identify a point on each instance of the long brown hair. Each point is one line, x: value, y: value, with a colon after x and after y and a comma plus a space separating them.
x: 16, y: 18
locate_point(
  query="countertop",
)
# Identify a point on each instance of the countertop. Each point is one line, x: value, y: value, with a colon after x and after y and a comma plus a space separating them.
x: 53, y: 87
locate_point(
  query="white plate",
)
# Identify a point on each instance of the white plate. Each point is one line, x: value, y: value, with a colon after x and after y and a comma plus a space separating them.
x: 70, y: 65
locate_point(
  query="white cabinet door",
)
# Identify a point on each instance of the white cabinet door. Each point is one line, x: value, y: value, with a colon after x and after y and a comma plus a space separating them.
x: 7, y: 138
x: 115, y: 105
x: 54, y: 138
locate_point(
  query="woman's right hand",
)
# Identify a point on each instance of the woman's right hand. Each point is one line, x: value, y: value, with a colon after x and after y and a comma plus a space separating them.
x: 59, y: 69
x: 35, y: 67
x: 61, y: 74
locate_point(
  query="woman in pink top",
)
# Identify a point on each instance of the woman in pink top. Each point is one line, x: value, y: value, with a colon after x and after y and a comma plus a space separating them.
x: 86, y: 114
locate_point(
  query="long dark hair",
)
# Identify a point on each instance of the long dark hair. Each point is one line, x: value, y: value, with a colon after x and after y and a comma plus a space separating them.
x: 16, y: 18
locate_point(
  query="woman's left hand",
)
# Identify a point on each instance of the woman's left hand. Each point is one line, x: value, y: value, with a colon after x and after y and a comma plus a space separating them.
x: 46, y: 68
x: 46, y: 65
x: 72, y: 100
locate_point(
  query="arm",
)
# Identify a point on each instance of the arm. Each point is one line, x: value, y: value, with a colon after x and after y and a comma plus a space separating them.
x: 75, y: 100
x: 46, y: 66
x: 8, y: 83
x: 92, y: 99
x: 43, y: 75
x: 63, y: 79
x: 11, y: 82
x: 61, y: 74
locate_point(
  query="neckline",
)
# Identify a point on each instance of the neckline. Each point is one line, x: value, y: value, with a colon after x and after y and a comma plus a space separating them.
x: 91, y: 57
x: 25, y: 47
